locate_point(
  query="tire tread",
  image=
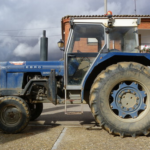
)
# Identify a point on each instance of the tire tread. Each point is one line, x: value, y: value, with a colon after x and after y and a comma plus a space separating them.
x: 93, y: 98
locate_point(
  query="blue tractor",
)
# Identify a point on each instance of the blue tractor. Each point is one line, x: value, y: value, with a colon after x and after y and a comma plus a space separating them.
x: 102, y: 67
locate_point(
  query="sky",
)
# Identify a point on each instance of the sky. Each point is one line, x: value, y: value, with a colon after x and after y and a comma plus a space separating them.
x: 23, y: 21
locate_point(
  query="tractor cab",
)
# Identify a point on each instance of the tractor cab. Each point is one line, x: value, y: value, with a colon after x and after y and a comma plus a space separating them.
x: 88, y: 38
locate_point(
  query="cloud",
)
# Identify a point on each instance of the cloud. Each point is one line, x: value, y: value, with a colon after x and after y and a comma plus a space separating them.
x: 25, y: 50
x: 37, y: 15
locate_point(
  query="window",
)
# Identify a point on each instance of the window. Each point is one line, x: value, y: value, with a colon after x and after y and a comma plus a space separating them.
x: 123, y: 39
x: 87, y: 38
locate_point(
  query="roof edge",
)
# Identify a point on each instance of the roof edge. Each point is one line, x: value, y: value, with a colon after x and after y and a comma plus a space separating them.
x: 104, y: 16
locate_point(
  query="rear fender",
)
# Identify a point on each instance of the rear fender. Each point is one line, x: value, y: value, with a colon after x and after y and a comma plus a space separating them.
x: 104, y: 60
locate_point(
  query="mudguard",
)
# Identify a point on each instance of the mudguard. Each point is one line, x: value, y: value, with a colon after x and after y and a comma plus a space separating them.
x: 106, y: 56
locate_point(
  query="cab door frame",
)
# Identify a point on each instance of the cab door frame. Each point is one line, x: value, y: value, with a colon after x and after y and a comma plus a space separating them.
x: 66, y: 53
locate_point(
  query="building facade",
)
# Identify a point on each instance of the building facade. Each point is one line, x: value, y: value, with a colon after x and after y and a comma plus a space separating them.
x: 89, y: 44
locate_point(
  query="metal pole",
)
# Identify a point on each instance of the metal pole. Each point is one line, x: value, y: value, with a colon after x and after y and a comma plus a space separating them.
x: 105, y: 6
x: 135, y: 6
x: 107, y: 35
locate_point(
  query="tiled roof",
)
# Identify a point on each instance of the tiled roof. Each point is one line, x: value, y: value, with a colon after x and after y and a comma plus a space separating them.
x: 104, y: 16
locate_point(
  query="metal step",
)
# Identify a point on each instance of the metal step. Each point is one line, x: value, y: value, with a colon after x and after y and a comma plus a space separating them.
x: 71, y: 112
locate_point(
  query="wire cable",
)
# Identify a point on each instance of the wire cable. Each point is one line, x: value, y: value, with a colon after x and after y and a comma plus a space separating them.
x: 29, y: 29
x: 27, y: 36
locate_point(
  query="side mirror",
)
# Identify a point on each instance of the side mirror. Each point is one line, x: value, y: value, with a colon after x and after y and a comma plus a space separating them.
x: 61, y: 44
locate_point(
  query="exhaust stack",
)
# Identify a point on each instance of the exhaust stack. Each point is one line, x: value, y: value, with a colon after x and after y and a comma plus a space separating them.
x: 44, y: 47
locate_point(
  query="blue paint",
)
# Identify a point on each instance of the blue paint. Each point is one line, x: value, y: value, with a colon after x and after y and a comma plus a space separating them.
x: 121, y: 93
x: 106, y: 56
x: 43, y: 67
x: 11, y: 73
x: 72, y: 66
x: 14, y: 80
x: 10, y: 69
x: 3, y: 78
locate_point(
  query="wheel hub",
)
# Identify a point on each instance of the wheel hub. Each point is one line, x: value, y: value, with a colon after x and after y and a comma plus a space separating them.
x: 10, y: 115
x: 128, y: 100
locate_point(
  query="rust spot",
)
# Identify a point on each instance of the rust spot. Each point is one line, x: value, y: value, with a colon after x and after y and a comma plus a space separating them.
x: 93, y: 110
x: 97, y: 120
x: 17, y: 63
x: 106, y: 128
x: 112, y: 67
x: 93, y: 97
x: 102, y: 75
x: 124, y: 65
x: 101, y: 57
x: 95, y: 85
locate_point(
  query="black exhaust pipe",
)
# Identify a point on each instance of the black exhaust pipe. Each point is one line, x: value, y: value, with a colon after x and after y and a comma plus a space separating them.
x: 44, y: 47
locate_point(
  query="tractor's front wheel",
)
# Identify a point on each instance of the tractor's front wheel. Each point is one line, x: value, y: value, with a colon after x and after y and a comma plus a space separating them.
x: 36, y: 110
x: 14, y: 114
x: 120, y: 99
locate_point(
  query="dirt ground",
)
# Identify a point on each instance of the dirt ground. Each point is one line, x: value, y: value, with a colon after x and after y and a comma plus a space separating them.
x: 83, y: 139
x: 55, y: 131
x: 74, y: 138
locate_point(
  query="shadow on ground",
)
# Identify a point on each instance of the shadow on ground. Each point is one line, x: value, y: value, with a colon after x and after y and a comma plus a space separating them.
x: 53, y: 117
x: 56, y: 115
x: 85, y: 118
x: 54, y: 108
x: 28, y: 133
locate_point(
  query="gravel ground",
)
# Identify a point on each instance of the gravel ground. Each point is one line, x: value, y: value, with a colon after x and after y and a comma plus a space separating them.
x: 75, y: 138
x: 83, y: 139
x: 46, y: 133
x: 32, y: 138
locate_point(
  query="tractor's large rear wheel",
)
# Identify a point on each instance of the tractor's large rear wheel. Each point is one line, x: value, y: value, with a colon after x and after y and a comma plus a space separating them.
x: 120, y: 99
x: 14, y: 114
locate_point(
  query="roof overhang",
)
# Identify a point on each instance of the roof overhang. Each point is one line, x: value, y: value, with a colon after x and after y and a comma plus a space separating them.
x: 117, y: 22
